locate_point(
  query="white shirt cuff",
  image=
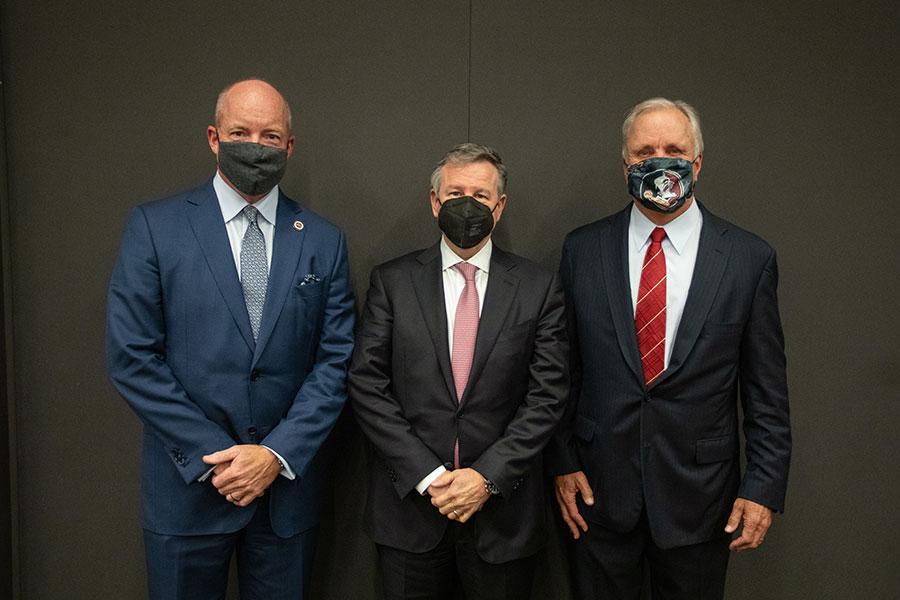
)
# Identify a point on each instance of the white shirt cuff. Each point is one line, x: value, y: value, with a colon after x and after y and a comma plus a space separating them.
x: 422, y: 486
x: 206, y: 475
x: 286, y: 470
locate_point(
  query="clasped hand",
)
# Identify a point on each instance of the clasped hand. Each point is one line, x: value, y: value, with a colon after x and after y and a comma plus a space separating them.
x: 458, y: 494
x: 243, y: 473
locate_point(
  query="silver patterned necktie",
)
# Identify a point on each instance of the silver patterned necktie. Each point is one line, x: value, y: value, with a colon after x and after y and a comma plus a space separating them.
x: 254, y: 269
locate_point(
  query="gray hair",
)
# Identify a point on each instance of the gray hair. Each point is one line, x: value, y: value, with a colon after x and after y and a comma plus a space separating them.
x: 467, y: 153
x: 663, y: 104
x: 220, y: 102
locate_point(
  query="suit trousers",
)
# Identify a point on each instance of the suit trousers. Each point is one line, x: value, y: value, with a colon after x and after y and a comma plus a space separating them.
x: 453, y: 566
x: 195, y: 567
x: 610, y: 564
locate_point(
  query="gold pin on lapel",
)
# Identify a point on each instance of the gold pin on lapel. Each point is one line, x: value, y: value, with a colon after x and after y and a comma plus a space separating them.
x: 298, y: 225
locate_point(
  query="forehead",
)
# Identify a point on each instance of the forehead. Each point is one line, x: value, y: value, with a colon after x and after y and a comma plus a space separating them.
x: 665, y: 125
x: 480, y: 174
x: 254, y: 103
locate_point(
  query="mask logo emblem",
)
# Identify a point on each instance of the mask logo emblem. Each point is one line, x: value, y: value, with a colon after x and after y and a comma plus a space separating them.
x: 667, y: 186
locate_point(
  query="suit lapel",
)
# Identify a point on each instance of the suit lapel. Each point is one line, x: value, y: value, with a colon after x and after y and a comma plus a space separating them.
x: 286, y: 249
x: 618, y: 289
x: 205, y: 217
x: 712, y: 256
x: 498, y: 297
x: 428, y: 284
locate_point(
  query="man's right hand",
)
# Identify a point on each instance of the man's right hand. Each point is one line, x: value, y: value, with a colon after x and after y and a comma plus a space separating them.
x: 567, y: 487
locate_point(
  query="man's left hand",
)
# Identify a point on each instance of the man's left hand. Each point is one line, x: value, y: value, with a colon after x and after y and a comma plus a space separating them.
x: 249, y: 471
x: 757, y: 519
x: 461, y: 495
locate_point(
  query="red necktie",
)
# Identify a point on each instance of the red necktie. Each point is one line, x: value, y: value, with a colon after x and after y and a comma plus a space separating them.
x: 465, y: 329
x: 650, y: 314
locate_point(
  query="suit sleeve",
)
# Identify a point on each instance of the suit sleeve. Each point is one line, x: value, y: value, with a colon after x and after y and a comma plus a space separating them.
x: 764, y: 397
x: 512, y: 455
x: 562, y: 456
x: 136, y: 356
x: 379, y: 414
x: 321, y: 398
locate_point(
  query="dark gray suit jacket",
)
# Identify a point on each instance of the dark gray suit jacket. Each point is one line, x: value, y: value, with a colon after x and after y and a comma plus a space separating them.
x: 401, y: 387
x: 673, y: 449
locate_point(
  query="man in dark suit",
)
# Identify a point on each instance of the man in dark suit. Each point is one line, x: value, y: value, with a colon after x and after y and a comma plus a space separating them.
x: 457, y: 405
x: 230, y: 327
x: 672, y: 316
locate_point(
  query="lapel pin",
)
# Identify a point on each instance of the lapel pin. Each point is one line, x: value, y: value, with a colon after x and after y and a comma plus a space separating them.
x: 298, y: 225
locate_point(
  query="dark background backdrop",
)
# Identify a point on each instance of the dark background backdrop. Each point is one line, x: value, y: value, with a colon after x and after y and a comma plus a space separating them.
x: 105, y: 104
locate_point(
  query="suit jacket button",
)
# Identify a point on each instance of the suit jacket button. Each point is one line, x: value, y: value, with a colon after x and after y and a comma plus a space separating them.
x: 254, y: 376
x: 448, y: 465
x: 251, y: 430
x: 460, y: 415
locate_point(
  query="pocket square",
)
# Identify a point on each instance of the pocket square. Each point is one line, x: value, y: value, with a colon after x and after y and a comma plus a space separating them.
x: 310, y: 278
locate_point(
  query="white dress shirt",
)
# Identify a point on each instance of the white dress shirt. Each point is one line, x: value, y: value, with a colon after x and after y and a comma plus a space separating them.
x: 680, y: 248
x: 454, y: 283
x: 232, y: 205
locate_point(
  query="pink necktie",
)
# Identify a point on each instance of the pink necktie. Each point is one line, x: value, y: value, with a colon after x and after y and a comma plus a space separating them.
x: 650, y: 314
x: 465, y: 329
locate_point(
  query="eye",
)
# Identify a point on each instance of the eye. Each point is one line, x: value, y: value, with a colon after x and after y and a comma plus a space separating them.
x: 481, y: 196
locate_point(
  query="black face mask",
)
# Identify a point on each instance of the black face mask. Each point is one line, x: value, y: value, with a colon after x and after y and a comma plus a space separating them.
x: 465, y: 221
x: 252, y: 168
x: 661, y: 184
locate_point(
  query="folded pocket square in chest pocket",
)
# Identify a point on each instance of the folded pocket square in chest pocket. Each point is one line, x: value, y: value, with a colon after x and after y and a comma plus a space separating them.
x: 310, y: 285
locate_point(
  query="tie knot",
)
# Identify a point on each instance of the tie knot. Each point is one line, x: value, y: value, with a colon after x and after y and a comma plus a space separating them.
x: 251, y: 212
x: 467, y: 270
x: 658, y: 235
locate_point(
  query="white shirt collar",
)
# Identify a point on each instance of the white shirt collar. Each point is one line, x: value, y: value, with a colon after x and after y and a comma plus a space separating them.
x: 678, y: 231
x: 482, y: 258
x: 231, y: 203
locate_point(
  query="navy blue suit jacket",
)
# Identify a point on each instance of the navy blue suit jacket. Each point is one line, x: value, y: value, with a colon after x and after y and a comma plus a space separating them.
x: 181, y: 352
x: 673, y: 449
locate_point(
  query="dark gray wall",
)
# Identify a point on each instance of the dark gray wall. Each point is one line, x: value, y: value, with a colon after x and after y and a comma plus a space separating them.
x: 106, y: 105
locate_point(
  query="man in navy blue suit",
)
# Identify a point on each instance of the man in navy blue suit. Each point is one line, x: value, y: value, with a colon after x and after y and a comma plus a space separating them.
x: 230, y: 327
x: 673, y: 318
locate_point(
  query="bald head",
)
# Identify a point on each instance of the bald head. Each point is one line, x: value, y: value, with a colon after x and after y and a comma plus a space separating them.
x: 253, y: 95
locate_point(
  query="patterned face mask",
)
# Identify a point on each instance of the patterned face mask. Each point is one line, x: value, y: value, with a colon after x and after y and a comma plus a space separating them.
x: 661, y: 184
